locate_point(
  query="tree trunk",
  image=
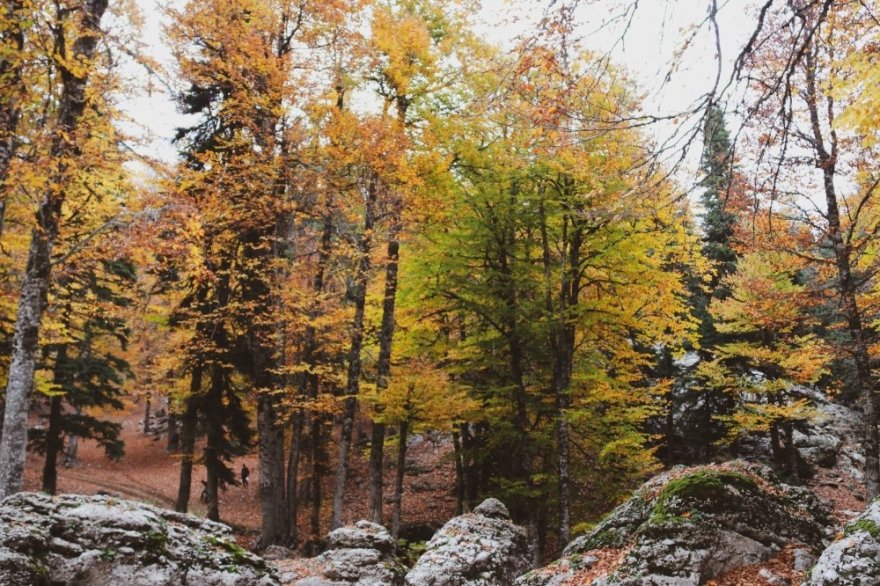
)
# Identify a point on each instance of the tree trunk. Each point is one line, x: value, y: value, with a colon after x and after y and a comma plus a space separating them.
x: 70, y: 457
x: 272, y: 487
x: 776, y: 446
x: 459, y: 473
x: 147, y: 414
x: 846, y: 284
x: 318, y: 457
x: 471, y: 480
x: 354, y: 355
x: 53, y: 446
x: 293, y: 478
x: 214, y: 431
x: 791, y: 451
x: 35, y: 285
x: 188, y: 441
x: 173, y: 432
x: 383, y: 369
x: 398, y: 481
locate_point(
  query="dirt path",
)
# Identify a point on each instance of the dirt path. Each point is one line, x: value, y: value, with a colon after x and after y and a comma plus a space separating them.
x: 123, y: 489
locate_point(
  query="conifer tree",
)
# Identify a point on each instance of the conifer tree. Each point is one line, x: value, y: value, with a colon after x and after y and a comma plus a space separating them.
x: 86, y: 361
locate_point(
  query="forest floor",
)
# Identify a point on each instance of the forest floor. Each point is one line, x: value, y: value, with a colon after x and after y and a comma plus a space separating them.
x: 149, y: 473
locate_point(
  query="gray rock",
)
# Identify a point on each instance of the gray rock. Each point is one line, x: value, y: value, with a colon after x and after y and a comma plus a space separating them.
x: 853, y: 560
x: 558, y: 573
x: 482, y: 548
x: 688, y: 526
x: 362, y: 535
x: 492, y: 509
x: 276, y: 552
x: 102, y: 540
x: 359, y: 555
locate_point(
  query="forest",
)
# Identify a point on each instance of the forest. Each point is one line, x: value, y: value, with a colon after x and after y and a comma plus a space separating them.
x: 380, y: 224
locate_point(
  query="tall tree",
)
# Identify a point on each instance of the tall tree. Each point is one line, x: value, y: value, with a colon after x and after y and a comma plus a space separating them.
x: 77, y: 35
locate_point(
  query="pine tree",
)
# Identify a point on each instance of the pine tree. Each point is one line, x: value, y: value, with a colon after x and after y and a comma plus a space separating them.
x: 87, y: 362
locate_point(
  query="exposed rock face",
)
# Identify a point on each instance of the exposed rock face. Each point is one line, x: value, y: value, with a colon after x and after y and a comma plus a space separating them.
x: 360, y: 555
x: 100, y: 540
x: 690, y: 525
x: 853, y: 560
x: 831, y: 440
x: 483, y: 548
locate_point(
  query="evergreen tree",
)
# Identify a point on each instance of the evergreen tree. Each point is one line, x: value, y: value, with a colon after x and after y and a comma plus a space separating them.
x: 718, y: 219
x: 86, y: 361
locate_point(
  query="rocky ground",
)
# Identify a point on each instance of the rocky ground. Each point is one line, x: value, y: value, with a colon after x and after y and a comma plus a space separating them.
x: 727, y: 524
x: 99, y: 540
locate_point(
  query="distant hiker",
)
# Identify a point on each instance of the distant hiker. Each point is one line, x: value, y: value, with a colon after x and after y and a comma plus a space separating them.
x: 244, y: 474
x: 204, y: 496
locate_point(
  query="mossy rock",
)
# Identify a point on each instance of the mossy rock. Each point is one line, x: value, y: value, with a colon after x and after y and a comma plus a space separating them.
x: 690, y: 525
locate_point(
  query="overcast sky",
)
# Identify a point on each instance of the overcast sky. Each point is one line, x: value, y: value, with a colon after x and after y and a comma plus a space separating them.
x: 656, y: 32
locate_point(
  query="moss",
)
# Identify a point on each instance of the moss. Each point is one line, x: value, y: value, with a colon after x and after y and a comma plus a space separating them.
x: 108, y: 554
x: 702, y: 487
x: 156, y: 544
x: 705, y: 484
x: 866, y: 525
x: 238, y: 553
x: 41, y: 573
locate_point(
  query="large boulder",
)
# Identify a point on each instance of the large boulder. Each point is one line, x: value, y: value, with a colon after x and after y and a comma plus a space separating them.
x: 361, y: 555
x: 482, y: 548
x: 691, y: 525
x: 100, y: 540
x: 854, y: 559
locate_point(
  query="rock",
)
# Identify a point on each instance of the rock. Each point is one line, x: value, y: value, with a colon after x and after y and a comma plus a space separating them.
x: 772, y: 579
x: 483, y: 548
x: 492, y: 509
x: 276, y: 552
x: 362, y: 535
x: 101, y: 540
x: 558, y: 573
x: 687, y: 526
x: 358, y: 555
x: 853, y: 560
x: 803, y: 560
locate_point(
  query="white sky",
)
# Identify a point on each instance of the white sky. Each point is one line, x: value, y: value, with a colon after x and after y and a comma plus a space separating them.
x: 655, y: 34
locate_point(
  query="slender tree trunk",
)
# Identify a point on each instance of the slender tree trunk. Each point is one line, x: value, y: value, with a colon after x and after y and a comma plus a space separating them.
x: 398, y: 481
x: 147, y: 414
x: 173, y: 432
x: 53, y: 446
x: 471, y: 481
x: 776, y: 446
x: 214, y: 445
x: 293, y: 478
x: 354, y: 355
x: 846, y: 284
x: 318, y: 457
x: 791, y: 451
x: 70, y: 457
x: 272, y: 487
x: 459, y: 473
x: 35, y: 285
x: 188, y: 441
x: 383, y: 370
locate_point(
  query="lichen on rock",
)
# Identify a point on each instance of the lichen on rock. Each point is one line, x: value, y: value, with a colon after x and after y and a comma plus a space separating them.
x: 854, y: 559
x: 100, y: 540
